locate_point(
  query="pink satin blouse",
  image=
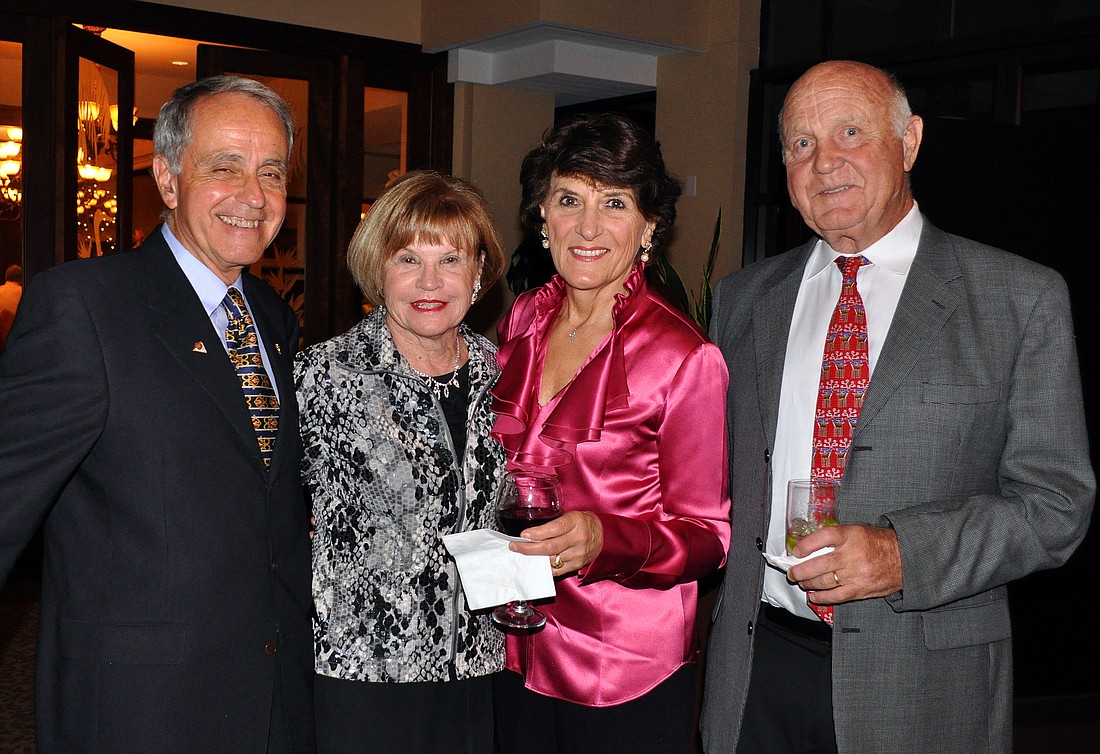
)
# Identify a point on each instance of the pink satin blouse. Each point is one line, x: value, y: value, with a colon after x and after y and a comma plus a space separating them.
x: 638, y: 438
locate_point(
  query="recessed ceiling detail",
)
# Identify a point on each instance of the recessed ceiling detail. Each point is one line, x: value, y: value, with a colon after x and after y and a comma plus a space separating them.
x: 578, y: 66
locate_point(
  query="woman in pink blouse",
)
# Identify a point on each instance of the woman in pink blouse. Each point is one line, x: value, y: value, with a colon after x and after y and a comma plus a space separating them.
x: 622, y: 397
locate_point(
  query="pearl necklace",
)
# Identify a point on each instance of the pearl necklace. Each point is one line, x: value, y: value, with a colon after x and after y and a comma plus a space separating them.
x: 437, y: 386
x: 573, y: 335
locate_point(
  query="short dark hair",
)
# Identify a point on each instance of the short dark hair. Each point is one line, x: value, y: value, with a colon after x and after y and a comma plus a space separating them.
x: 172, y: 133
x: 608, y: 150
x: 428, y: 206
x: 13, y: 274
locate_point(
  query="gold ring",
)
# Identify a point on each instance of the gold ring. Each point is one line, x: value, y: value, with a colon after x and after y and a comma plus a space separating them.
x: 556, y: 562
x: 836, y: 578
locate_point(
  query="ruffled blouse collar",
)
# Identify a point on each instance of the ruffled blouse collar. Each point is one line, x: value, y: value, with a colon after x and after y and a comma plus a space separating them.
x: 578, y: 415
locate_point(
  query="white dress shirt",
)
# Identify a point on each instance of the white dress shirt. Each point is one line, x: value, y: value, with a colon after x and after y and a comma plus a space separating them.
x: 880, y: 287
x: 211, y: 291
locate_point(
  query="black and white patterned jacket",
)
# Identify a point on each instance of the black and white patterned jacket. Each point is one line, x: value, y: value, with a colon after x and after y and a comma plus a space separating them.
x: 385, y: 487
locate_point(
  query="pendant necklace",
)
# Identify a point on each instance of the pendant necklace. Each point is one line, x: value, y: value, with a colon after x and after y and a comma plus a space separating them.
x: 573, y: 335
x: 434, y: 383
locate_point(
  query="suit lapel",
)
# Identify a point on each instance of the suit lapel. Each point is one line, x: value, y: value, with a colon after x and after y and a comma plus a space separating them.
x: 185, y: 330
x: 771, y: 315
x: 926, y: 304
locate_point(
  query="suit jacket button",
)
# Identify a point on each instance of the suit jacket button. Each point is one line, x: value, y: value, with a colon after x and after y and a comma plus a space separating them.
x: 269, y: 648
x: 275, y: 564
x: 760, y: 544
x: 750, y: 628
x: 767, y: 455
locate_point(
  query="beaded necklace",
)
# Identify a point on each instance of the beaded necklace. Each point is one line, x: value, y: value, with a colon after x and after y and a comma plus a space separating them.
x: 435, y: 384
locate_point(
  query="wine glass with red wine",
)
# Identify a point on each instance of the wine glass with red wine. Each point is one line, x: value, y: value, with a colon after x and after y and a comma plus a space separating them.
x: 523, y: 501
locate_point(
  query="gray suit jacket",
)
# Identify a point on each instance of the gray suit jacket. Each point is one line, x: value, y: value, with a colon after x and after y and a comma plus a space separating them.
x: 971, y: 444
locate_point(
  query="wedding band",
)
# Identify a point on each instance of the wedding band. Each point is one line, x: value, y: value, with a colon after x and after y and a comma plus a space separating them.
x: 556, y: 562
x: 836, y: 578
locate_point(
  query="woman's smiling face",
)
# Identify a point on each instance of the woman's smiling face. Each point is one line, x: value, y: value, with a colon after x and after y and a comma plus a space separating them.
x: 427, y: 288
x: 595, y: 231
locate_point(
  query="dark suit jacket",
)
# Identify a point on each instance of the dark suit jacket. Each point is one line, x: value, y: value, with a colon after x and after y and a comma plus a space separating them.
x: 971, y: 444
x: 176, y: 587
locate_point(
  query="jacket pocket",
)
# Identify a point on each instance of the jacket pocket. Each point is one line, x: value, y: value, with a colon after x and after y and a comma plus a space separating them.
x: 934, y: 392
x: 968, y: 623
x: 124, y: 643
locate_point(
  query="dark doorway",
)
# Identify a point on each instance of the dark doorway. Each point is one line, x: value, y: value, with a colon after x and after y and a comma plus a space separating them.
x: 1032, y: 191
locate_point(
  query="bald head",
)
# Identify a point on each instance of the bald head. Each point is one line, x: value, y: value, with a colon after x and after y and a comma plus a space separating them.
x: 900, y: 111
x: 849, y: 141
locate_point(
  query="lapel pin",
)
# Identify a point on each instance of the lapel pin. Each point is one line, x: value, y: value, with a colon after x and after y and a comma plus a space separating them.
x: 278, y: 349
x: 199, y: 347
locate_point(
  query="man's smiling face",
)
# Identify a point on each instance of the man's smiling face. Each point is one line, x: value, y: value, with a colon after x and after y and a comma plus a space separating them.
x: 229, y: 199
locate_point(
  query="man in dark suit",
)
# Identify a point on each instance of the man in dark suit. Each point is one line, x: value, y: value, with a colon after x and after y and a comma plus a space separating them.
x: 176, y: 584
x: 963, y: 460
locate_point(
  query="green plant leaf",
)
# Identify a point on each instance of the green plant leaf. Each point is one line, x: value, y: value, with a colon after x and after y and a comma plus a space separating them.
x: 673, y: 284
x: 706, y: 291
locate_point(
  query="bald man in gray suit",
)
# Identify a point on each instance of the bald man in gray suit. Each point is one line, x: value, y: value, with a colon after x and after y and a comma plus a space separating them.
x: 968, y: 464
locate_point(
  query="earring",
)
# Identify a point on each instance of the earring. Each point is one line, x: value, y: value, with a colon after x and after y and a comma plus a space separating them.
x: 545, y: 238
x: 645, y: 252
x: 477, y: 290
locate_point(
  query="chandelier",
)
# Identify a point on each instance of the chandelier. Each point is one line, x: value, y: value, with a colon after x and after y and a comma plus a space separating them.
x: 97, y: 161
x: 11, y: 187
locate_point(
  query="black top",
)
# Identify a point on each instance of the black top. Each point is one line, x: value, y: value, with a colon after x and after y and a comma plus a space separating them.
x: 455, y: 405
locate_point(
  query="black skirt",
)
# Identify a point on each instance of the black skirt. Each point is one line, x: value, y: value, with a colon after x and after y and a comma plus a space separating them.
x: 357, y: 717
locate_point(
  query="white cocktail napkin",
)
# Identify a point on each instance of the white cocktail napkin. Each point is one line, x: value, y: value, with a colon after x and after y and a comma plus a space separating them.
x: 492, y: 574
x: 786, y: 562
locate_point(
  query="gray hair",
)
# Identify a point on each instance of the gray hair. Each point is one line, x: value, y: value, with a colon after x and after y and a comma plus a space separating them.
x: 900, y: 110
x: 173, y: 130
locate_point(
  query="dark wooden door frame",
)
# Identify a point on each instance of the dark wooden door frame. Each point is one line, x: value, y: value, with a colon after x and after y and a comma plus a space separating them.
x: 326, y: 155
x: 358, y: 61
x: 82, y: 44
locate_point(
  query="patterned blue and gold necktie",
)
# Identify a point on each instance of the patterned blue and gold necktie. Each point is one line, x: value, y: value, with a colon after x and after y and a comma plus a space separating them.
x: 244, y: 351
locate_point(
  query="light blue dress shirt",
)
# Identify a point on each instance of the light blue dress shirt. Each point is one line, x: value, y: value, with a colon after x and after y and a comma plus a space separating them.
x: 211, y: 291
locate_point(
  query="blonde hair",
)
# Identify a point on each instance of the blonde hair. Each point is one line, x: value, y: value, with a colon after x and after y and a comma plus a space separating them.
x: 429, y: 207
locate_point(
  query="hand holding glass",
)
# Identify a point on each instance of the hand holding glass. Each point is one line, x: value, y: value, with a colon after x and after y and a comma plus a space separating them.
x: 524, y: 501
x: 810, y: 506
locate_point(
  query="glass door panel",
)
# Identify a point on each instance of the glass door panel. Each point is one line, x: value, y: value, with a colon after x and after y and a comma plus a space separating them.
x: 96, y: 160
x: 385, y: 139
x: 11, y: 154
x: 283, y: 265
x: 99, y: 102
x: 11, y: 183
x: 298, y: 263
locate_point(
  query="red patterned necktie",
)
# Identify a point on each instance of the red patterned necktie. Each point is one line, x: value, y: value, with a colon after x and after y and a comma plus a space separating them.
x: 244, y: 352
x: 844, y: 376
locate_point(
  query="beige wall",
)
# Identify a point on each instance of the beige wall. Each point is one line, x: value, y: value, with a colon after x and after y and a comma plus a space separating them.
x: 676, y: 22
x: 398, y: 20
x: 702, y: 117
x: 495, y: 127
x: 447, y: 22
